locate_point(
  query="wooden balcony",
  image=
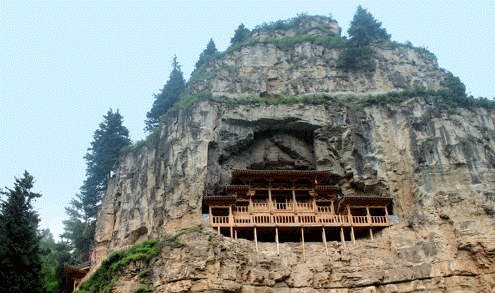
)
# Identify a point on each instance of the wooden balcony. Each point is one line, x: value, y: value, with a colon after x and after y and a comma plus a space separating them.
x: 297, y: 220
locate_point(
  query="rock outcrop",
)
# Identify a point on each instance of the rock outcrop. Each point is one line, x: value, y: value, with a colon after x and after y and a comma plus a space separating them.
x: 438, y: 164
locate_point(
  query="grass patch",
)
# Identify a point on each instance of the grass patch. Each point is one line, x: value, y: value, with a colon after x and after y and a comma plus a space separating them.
x: 213, y: 243
x: 144, y: 273
x: 108, y: 273
x: 143, y: 289
x: 447, y: 95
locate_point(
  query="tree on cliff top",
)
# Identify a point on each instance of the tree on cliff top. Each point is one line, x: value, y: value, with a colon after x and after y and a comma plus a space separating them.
x: 101, y: 159
x: 240, y: 35
x: 168, y: 96
x: 364, y: 28
x: 20, y: 264
x: 363, y: 31
x: 210, y: 50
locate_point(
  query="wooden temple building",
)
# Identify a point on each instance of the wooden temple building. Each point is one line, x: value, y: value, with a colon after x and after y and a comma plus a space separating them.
x: 293, y: 202
x: 75, y: 274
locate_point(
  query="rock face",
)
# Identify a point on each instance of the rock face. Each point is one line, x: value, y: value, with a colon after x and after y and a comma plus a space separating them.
x: 437, y: 163
x: 263, y: 70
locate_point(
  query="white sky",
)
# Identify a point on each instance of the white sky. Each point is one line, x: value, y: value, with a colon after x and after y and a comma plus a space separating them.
x: 63, y: 64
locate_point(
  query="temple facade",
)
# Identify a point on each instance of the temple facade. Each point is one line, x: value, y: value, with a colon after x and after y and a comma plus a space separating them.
x: 286, y: 202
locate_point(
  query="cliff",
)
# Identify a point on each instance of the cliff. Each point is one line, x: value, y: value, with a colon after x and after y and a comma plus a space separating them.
x: 438, y: 163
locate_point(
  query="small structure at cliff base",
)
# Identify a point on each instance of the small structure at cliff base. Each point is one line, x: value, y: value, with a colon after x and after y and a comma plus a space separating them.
x: 285, y: 203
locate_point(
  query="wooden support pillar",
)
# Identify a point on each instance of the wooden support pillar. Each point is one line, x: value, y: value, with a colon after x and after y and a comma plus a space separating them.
x: 371, y: 233
x: 218, y: 229
x: 352, y: 236
x: 342, y: 236
x: 231, y: 221
x: 294, y: 195
x: 368, y: 215
x: 270, y: 202
x: 349, y: 214
x: 324, y: 236
x: 276, y: 239
x: 386, y: 215
x: 303, y: 247
x: 235, y: 233
x: 211, y: 216
x: 256, y: 239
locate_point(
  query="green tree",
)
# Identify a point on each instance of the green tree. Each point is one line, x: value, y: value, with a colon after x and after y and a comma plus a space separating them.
x: 210, y: 50
x: 168, y: 96
x: 364, y: 28
x: 53, y: 256
x: 101, y: 159
x: 363, y: 31
x: 240, y: 35
x: 20, y: 265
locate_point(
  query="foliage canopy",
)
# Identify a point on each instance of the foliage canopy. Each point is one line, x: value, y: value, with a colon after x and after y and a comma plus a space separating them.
x: 168, y: 96
x: 101, y: 159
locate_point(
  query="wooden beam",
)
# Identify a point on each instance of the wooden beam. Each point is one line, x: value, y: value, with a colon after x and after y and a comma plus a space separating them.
x: 256, y: 238
x: 324, y: 236
x: 303, y: 247
x: 270, y: 203
x: 371, y: 233
x: 276, y: 239
x: 386, y: 215
x: 368, y: 215
x: 231, y: 221
x: 211, y: 216
x: 352, y: 236
x: 342, y: 236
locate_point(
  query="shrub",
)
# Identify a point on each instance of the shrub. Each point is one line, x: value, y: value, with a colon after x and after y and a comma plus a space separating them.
x: 143, y: 289
x: 108, y: 273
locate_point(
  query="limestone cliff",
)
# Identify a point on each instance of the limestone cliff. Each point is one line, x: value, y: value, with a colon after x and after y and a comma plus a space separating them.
x: 437, y: 163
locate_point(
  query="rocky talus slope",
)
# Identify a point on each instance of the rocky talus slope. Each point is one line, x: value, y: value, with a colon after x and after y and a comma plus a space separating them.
x: 438, y: 164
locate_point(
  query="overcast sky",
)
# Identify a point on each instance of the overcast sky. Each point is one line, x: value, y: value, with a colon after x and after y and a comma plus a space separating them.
x: 63, y: 64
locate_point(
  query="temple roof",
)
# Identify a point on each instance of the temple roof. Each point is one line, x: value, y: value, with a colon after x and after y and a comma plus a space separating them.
x: 283, y: 174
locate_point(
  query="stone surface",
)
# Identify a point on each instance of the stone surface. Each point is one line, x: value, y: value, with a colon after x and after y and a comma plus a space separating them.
x: 263, y: 70
x: 438, y: 164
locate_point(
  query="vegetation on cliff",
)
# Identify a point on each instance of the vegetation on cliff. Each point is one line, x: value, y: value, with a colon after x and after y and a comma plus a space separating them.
x: 101, y: 159
x: 455, y: 95
x: 103, y: 279
x: 167, y: 97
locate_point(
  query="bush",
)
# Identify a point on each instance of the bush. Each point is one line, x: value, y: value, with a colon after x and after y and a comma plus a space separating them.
x: 452, y: 99
x: 108, y: 273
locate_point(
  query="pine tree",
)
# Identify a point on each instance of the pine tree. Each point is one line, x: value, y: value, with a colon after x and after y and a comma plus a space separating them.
x: 20, y: 264
x: 364, y: 28
x: 240, y: 35
x: 168, y: 96
x: 101, y: 159
x: 210, y: 50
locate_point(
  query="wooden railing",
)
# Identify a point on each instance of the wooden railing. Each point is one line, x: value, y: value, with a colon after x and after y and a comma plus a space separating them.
x: 262, y: 219
x: 334, y: 219
x: 305, y: 218
x: 379, y: 219
x: 242, y: 219
x: 284, y: 219
x: 220, y: 219
x: 304, y: 206
x: 241, y: 209
x: 282, y: 206
x: 324, y: 209
x: 260, y: 206
x: 359, y: 219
